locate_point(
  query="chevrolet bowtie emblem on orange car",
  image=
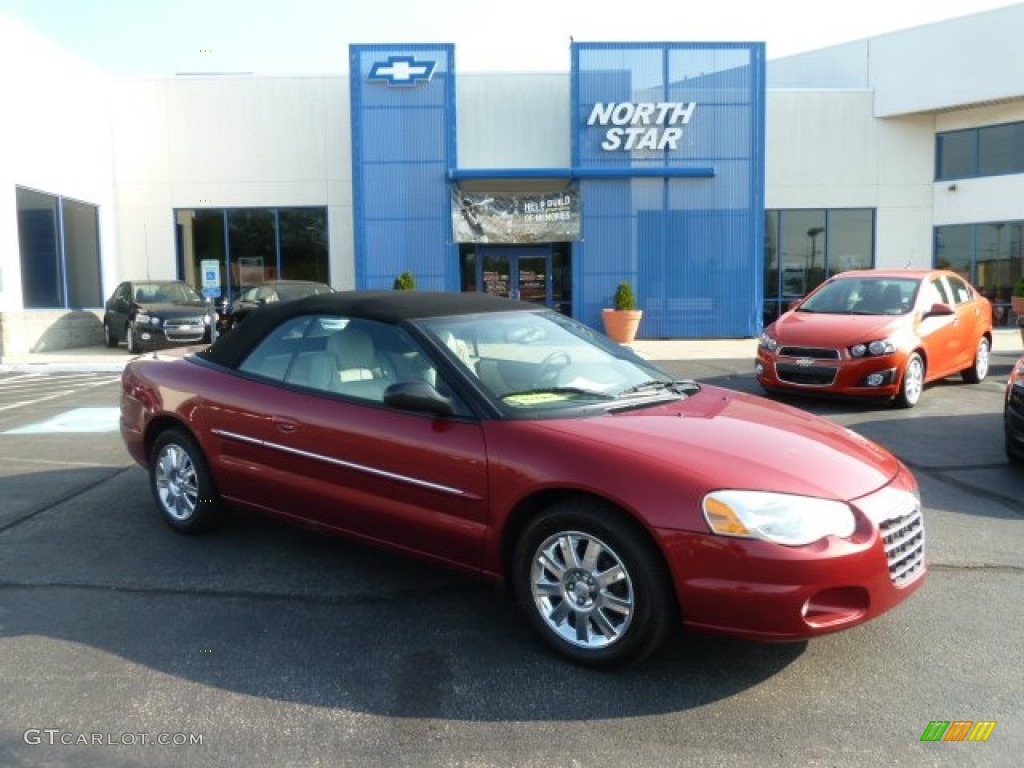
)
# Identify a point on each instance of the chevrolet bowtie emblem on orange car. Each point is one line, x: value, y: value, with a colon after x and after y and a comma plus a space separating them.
x: 805, y: 362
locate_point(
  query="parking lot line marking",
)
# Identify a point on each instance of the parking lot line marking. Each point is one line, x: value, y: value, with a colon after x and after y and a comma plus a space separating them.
x: 54, y: 395
x: 50, y: 462
x: 75, y: 420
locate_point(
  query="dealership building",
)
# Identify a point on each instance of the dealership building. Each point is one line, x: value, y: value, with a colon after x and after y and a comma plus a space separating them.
x: 720, y: 184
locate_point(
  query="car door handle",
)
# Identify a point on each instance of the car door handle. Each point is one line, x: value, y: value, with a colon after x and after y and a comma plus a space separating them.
x: 285, y: 425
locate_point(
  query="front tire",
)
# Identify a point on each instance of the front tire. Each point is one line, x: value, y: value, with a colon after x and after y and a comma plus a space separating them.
x: 593, y: 584
x: 108, y: 337
x: 977, y: 372
x: 129, y: 336
x: 913, y: 382
x: 182, y: 485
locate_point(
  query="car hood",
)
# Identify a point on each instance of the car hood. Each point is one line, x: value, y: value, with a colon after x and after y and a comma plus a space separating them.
x: 811, y: 329
x: 726, y: 439
x: 187, y: 309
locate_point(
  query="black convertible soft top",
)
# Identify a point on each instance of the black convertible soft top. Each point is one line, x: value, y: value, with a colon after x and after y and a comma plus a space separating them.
x: 382, y: 306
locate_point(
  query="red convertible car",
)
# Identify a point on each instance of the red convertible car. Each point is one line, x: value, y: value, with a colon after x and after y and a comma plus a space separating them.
x: 507, y: 440
x: 878, y: 333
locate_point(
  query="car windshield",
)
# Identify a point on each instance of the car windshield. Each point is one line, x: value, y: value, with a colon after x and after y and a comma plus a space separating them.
x: 863, y: 296
x: 165, y: 293
x: 530, y: 362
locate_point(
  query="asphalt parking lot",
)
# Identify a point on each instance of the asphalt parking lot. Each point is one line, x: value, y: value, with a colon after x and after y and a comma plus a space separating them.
x: 123, y: 644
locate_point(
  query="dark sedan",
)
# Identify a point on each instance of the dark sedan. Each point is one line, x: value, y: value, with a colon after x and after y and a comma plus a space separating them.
x: 152, y: 314
x: 1013, y: 414
x: 509, y: 441
x: 234, y: 312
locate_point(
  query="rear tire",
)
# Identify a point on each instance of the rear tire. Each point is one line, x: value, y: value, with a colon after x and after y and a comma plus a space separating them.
x: 977, y: 372
x: 182, y: 485
x: 593, y: 585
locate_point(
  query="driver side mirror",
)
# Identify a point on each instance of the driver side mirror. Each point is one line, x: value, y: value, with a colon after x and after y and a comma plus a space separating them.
x: 939, y: 310
x: 418, y: 396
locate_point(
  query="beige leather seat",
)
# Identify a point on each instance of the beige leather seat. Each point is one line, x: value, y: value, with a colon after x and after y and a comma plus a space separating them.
x: 349, y: 366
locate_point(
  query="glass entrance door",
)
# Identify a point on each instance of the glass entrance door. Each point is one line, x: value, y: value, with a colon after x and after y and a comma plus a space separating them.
x: 517, y: 273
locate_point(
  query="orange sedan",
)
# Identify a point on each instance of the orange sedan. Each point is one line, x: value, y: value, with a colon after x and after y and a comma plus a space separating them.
x: 879, y: 333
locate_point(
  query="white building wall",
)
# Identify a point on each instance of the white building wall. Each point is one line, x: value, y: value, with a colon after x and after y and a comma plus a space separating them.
x: 228, y: 142
x: 946, y: 65
x: 826, y: 150
x: 54, y: 138
x: 993, y: 198
x: 514, y: 121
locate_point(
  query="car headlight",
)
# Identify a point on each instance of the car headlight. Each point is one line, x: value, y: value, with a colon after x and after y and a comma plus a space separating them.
x: 777, y: 517
x: 768, y: 341
x: 879, y: 347
x: 143, y: 319
x: 209, y: 318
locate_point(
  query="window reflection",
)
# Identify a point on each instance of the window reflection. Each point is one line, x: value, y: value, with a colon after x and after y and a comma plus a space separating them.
x: 805, y: 247
x: 253, y: 245
x: 990, y: 255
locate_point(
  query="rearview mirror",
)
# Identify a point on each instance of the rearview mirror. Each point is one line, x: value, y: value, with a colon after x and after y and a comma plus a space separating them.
x: 418, y: 396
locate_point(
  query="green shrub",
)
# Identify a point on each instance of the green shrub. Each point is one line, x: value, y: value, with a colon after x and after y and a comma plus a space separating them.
x: 405, y: 282
x: 624, y: 296
x: 1018, y: 287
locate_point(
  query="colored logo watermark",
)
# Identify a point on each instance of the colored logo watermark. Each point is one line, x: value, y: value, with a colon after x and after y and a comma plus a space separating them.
x: 958, y: 730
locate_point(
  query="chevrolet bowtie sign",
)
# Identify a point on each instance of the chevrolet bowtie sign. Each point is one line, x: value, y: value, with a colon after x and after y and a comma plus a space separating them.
x: 402, y: 70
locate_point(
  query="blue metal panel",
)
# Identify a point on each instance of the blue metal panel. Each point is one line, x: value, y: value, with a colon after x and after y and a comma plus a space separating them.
x: 690, y: 240
x: 403, y: 142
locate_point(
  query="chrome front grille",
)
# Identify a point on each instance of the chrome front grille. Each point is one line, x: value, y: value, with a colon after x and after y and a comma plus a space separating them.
x: 815, y: 353
x: 904, y: 546
x: 185, y: 329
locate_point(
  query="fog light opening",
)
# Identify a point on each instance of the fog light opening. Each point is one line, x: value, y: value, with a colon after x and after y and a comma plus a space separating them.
x: 875, y: 380
x: 759, y: 368
x: 836, y: 606
x: 146, y: 337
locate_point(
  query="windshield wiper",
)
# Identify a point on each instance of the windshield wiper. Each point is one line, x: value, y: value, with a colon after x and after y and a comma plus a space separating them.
x: 682, y: 387
x: 559, y: 391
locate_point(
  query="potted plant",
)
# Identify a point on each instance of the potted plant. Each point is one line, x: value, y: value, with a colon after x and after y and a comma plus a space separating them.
x: 621, y: 322
x: 405, y: 282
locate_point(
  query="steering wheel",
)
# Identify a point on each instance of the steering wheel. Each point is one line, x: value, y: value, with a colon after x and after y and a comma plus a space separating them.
x: 549, y: 368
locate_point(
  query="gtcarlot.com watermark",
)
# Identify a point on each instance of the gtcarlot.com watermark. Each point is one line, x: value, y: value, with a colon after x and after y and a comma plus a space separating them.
x: 57, y: 737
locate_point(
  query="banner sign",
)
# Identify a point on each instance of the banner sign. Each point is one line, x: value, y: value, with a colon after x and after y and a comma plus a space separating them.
x: 538, y: 217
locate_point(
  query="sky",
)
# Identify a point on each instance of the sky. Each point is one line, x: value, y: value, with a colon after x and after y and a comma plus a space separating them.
x: 166, y: 37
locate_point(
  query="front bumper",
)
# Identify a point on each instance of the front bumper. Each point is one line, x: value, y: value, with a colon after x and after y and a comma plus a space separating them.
x: 877, y: 376
x: 763, y: 591
x: 148, y: 337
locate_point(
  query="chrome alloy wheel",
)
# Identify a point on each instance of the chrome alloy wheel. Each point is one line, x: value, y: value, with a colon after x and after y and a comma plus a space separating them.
x: 582, y: 590
x: 176, y: 482
x: 913, y: 380
x: 981, y: 360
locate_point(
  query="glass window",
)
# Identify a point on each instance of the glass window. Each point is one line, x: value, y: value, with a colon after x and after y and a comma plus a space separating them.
x: 989, y: 256
x: 957, y: 154
x: 82, y: 254
x: 58, y: 245
x: 303, y: 233
x: 987, y: 151
x: 254, y: 245
x: 804, y: 247
x: 851, y: 241
x: 1001, y: 149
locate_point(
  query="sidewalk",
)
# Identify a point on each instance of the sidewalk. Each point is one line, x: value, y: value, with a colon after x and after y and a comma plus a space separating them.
x: 101, y: 359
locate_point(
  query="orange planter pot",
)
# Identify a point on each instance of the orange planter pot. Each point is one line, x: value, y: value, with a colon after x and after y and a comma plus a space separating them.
x: 621, y: 324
